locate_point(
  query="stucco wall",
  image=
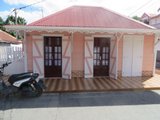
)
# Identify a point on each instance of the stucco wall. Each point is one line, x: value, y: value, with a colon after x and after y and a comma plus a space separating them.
x: 148, y: 55
x: 78, y: 53
x: 29, y: 52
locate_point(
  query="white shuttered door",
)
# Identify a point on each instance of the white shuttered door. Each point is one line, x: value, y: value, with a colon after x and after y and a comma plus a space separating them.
x: 132, y: 55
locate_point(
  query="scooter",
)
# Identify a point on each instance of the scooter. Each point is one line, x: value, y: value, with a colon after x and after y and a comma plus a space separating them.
x: 23, y: 84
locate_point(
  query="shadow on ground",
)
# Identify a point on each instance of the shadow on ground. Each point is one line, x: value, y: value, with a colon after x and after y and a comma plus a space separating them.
x: 83, y: 100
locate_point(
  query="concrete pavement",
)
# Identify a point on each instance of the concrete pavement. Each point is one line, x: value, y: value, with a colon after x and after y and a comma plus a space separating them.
x: 131, y: 105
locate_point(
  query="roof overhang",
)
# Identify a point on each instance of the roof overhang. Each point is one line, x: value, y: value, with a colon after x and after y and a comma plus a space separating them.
x: 78, y: 29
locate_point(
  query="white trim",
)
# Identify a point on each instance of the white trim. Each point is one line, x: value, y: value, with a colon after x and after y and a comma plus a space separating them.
x: 80, y: 29
x: 25, y: 53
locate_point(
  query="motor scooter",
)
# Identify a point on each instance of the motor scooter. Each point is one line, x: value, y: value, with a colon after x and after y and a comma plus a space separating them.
x: 23, y: 84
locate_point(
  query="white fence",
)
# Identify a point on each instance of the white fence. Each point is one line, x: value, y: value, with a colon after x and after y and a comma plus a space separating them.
x: 15, y: 55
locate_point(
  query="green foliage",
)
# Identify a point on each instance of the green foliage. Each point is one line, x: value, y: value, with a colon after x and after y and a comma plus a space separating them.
x: 11, y: 21
x: 136, y: 18
x: 1, y: 24
x: 1, y: 21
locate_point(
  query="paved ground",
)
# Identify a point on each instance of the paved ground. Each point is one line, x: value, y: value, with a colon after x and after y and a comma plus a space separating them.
x: 132, y: 105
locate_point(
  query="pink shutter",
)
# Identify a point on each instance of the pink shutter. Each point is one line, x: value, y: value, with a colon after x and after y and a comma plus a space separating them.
x: 88, y: 57
x: 113, y: 59
x: 38, y: 62
x: 66, y: 57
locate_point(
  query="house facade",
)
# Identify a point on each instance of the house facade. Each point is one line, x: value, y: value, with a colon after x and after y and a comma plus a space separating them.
x: 88, y: 42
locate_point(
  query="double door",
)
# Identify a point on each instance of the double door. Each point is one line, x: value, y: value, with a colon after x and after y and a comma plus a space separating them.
x: 101, y: 56
x: 132, y: 55
x: 53, y: 56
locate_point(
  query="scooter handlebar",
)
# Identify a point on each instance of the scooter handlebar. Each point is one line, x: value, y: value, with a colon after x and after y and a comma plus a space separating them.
x: 5, y: 65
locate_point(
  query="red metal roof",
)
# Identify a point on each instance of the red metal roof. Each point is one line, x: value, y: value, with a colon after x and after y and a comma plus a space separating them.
x: 7, y: 38
x: 86, y: 16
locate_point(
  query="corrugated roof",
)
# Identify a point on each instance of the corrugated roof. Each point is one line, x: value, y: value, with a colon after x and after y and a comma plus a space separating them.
x: 86, y: 16
x: 7, y: 38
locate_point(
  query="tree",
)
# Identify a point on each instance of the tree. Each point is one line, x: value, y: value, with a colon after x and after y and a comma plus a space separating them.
x: 2, y: 24
x: 136, y: 18
x: 11, y: 21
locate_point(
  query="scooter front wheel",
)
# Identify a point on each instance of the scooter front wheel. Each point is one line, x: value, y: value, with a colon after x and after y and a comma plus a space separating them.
x: 33, y: 90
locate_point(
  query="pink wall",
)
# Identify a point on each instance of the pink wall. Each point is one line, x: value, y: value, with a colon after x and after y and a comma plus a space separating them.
x: 148, y: 53
x: 78, y: 52
x: 29, y: 52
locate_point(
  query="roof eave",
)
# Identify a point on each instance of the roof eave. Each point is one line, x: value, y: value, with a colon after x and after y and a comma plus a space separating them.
x: 80, y: 29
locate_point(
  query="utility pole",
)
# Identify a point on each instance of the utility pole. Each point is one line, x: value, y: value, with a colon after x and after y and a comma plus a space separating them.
x: 15, y: 12
x: 16, y: 9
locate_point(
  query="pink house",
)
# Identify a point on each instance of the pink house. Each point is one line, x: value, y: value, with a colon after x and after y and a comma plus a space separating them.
x: 84, y: 41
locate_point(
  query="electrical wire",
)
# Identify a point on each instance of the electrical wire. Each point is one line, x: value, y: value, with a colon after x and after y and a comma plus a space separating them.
x: 141, y: 7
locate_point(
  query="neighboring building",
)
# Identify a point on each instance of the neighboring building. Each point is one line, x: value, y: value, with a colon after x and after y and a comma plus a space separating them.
x: 6, y: 39
x: 88, y: 42
x: 151, y: 19
x: 155, y: 21
x: 146, y: 18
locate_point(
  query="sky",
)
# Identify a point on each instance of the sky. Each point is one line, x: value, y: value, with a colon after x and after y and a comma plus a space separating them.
x: 47, y: 7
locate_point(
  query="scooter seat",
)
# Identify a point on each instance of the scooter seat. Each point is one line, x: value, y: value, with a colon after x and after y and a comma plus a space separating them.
x: 18, y: 77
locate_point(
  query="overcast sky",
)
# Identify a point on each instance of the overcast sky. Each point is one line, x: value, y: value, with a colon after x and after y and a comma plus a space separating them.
x: 46, y: 7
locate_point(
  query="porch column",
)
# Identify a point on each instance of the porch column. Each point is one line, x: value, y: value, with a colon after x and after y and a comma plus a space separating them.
x: 113, y: 69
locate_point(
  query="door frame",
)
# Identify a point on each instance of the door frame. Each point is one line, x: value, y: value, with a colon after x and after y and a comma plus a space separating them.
x: 88, y: 59
x: 109, y: 38
x: 44, y: 54
x: 66, y: 68
x: 51, y: 35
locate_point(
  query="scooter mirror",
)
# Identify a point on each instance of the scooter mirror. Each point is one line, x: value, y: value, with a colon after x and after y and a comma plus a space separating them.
x: 9, y: 59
